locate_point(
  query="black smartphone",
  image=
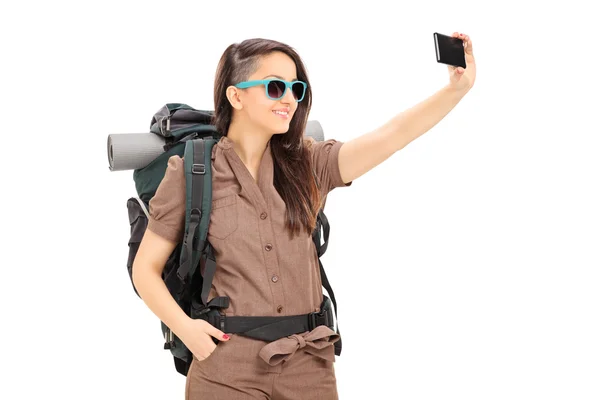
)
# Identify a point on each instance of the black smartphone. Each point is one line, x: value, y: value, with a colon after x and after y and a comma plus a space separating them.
x: 449, y: 50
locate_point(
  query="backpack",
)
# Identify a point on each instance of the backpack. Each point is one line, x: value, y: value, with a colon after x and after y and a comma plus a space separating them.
x: 188, y: 133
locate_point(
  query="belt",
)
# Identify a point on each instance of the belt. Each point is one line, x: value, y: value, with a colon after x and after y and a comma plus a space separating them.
x: 312, y: 332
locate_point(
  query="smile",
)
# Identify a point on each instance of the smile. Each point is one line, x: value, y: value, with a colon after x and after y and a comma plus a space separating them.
x: 282, y: 114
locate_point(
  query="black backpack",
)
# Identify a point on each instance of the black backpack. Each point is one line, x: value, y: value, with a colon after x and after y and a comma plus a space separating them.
x: 188, y: 133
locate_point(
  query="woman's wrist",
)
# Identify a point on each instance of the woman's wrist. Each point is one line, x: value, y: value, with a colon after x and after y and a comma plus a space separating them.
x: 181, y: 325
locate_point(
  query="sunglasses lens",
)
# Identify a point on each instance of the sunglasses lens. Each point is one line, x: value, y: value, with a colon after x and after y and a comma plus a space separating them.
x: 298, y: 90
x: 276, y: 89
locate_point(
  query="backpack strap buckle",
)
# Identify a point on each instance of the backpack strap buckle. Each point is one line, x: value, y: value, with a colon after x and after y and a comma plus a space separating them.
x: 169, y: 339
x: 214, y: 304
x: 165, y: 125
x: 317, y: 319
x: 198, y: 169
x: 212, y: 316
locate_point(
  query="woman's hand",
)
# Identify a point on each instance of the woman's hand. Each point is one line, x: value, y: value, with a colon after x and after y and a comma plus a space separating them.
x: 197, y: 337
x: 463, y: 79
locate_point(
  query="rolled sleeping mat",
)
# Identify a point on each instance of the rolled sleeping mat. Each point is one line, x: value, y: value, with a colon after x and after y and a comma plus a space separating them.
x: 127, y: 151
x: 314, y: 129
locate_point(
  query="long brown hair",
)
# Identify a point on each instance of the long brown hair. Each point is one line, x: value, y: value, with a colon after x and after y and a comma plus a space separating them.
x: 293, y: 176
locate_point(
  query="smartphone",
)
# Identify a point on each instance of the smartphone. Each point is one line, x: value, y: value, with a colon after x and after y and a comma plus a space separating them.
x: 449, y: 50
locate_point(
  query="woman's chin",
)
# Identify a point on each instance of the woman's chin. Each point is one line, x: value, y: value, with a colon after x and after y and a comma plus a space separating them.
x: 281, y: 128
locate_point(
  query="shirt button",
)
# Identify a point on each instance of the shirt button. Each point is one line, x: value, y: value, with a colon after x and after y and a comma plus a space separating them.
x: 279, y: 309
x: 274, y: 278
x: 263, y: 215
x: 268, y: 247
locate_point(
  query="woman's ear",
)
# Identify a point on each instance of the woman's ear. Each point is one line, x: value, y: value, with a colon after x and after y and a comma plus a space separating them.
x: 233, y: 95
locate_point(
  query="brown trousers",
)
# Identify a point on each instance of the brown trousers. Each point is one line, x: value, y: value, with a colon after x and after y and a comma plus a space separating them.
x: 234, y: 371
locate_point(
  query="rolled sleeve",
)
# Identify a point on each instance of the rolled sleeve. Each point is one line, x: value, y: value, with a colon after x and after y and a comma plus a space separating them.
x: 325, y: 157
x: 167, y: 207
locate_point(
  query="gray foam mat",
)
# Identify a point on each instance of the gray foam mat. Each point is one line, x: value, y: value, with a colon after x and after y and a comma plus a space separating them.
x: 127, y: 151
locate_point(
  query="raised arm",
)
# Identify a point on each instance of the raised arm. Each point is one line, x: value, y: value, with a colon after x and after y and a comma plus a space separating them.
x: 359, y: 155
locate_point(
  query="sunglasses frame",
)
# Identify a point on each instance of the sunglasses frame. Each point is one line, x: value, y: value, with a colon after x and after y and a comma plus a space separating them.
x: 288, y: 85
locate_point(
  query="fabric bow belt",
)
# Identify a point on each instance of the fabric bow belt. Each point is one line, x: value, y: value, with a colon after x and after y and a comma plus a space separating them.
x: 315, y: 342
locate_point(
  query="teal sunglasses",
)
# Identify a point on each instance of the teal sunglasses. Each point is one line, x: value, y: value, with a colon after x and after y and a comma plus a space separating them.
x: 275, y: 88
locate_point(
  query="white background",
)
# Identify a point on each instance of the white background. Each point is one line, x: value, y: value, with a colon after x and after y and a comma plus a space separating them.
x: 466, y: 266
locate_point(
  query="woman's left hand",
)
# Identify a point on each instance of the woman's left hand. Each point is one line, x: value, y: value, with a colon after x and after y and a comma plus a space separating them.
x: 463, y: 79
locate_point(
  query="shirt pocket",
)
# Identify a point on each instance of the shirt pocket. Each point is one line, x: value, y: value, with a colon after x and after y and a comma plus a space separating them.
x: 223, y: 217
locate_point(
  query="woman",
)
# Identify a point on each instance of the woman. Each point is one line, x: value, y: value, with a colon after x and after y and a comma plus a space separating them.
x: 269, y: 182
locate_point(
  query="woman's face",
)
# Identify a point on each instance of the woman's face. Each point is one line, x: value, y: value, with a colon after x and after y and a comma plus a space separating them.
x: 272, y: 116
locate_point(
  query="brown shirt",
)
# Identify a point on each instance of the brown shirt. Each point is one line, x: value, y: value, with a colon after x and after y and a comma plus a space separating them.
x: 260, y: 268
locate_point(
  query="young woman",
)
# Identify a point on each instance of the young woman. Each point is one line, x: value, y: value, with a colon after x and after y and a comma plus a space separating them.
x: 269, y: 182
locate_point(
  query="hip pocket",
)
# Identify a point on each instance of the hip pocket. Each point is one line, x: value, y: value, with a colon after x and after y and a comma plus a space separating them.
x: 210, y: 356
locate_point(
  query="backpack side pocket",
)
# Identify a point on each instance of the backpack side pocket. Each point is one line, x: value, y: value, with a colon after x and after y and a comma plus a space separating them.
x: 138, y: 221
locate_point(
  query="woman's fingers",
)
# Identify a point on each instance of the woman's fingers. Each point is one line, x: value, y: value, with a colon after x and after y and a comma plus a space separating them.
x: 466, y: 40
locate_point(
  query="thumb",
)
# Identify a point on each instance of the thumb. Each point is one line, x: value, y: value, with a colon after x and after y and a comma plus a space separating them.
x: 212, y: 331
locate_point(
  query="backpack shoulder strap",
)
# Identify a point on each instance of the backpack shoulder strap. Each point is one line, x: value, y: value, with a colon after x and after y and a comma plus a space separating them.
x: 198, y: 181
x: 323, y: 223
x: 198, y: 173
